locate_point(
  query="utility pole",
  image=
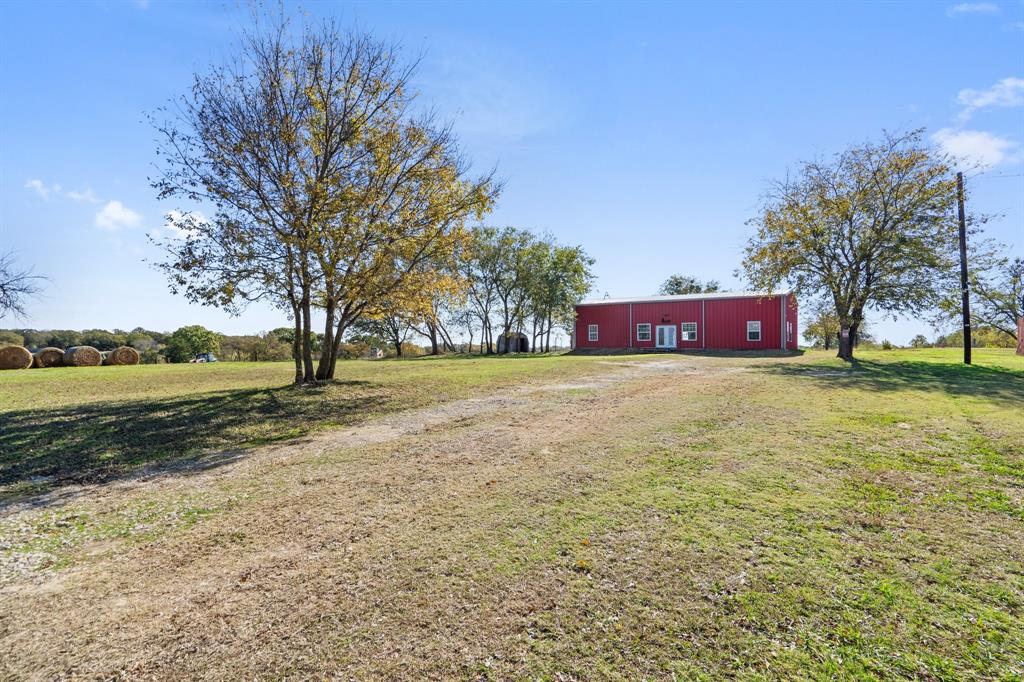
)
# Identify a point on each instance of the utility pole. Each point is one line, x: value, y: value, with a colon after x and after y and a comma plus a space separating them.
x: 965, y: 293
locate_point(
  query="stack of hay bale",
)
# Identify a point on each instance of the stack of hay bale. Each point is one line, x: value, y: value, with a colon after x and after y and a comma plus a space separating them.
x: 48, y: 357
x: 15, y: 357
x: 19, y: 357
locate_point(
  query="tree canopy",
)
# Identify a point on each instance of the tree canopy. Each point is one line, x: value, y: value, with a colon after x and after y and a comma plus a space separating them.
x: 186, y: 343
x: 996, y: 286
x: 506, y: 281
x: 679, y: 285
x: 821, y: 325
x: 872, y: 227
x: 330, y: 192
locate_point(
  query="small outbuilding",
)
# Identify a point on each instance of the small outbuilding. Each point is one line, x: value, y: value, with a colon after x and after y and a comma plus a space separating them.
x: 514, y: 342
x: 727, y: 321
x: 374, y: 354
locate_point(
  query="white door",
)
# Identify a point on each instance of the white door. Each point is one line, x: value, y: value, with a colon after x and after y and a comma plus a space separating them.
x: 666, y: 336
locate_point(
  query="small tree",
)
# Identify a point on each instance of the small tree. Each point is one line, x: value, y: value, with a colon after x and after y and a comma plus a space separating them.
x: 391, y: 326
x: 679, y: 285
x: 563, y: 279
x: 516, y: 256
x: 872, y: 228
x: 479, y: 268
x: 823, y: 326
x: 996, y: 285
x: 919, y: 341
x: 188, y: 342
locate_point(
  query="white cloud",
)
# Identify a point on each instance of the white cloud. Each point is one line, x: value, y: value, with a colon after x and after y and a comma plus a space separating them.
x: 1008, y: 92
x: 973, y: 8
x: 85, y: 195
x: 55, y: 190
x: 177, y: 223
x: 115, y: 215
x: 41, y: 188
x: 976, y: 147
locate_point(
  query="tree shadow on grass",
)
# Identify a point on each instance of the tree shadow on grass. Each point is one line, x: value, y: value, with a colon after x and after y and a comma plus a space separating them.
x: 993, y: 383
x: 43, y: 450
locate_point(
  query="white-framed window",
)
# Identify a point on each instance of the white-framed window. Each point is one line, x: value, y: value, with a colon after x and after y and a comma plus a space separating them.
x: 789, y: 331
x: 688, y: 331
x: 591, y: 332
x: 754, y: 330
x: 643, y: 331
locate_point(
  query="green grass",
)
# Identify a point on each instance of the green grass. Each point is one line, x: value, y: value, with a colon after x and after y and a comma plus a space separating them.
x: 75, y: 425
x: 761, y: 518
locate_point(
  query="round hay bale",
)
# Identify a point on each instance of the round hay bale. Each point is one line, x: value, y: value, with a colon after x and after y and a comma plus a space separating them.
x: 122, y: 355
x: 82, y: 356
x: 15, y: 357
x: 48, y: 357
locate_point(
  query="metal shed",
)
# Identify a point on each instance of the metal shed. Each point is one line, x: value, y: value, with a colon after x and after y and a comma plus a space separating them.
x: 514, y: 342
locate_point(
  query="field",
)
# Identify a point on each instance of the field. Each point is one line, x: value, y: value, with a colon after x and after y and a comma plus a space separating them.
x: 566, y: 518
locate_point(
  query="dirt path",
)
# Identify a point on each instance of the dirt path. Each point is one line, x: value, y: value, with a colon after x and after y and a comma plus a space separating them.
x: 199, y: 471
x: 310, y: 547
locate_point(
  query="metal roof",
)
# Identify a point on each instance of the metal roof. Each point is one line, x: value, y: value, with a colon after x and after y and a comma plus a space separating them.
x: 686, y: 297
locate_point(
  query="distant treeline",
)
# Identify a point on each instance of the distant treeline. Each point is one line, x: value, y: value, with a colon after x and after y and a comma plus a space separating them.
x: 186, y: 343
x: 981, y: 337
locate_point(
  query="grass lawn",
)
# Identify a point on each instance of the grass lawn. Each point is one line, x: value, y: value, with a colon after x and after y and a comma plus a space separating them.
x: 73, y: 425
x: 665, y: 517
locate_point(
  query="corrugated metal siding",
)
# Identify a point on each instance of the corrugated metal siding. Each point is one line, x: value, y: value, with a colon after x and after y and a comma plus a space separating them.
x: 727, y: 322
x: 669, y: 313
x: 721, y: 323
x: 792, y: 310
x: 612, y: 322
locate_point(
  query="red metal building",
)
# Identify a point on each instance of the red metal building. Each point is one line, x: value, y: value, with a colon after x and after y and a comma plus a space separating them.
x: 741, y: 321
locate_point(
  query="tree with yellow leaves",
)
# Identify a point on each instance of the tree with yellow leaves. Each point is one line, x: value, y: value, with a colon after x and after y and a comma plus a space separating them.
x: 328, y: 192
x: 875, y: 227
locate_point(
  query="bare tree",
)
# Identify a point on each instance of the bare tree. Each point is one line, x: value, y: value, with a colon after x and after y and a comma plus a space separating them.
x: 17, y: 285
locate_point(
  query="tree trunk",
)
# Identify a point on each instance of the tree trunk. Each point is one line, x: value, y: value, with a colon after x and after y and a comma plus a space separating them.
x: 396, y: 339
x: 323, y: 368
x: 308, y: 374
x: 505, y: 329
x: 446, y: 339
x: 433, y: 339
x: 845, y: 344
x: 297, y: 344
x: 339, y: 332
x: 847, y: 339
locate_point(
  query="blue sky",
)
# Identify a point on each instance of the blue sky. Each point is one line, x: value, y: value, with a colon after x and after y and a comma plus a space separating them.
x: 644, y: 131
